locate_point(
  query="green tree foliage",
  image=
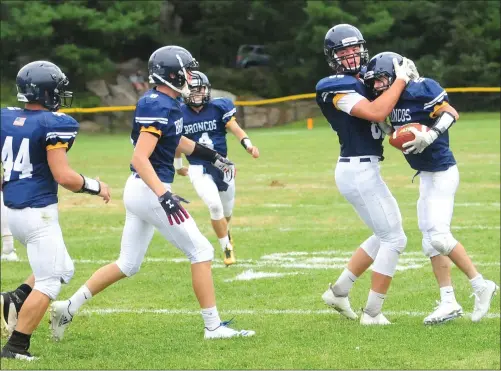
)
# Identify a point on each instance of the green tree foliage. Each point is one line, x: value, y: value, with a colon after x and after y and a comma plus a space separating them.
x: 455, y: 42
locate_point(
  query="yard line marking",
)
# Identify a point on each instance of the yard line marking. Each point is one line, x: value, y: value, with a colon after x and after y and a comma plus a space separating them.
x: 251, y: 275
x: 307, y: 312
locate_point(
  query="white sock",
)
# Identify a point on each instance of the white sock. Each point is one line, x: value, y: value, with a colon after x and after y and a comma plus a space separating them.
x: 344, y: 283
x: 8, y: 244
x: 224, y: 242
x: 447, y: 294
x: 78, y: 299
x: 374, y: 303
x: 478, y: 283
x: 211, y: 318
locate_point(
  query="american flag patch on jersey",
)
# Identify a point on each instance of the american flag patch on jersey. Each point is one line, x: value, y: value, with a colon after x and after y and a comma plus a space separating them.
x: 19, y: 121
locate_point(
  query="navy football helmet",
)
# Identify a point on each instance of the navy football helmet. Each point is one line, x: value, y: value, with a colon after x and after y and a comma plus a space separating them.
x: 342, y: 36
x: 380, y: 67
x: 198, y: 97
x: 44, y: 83
x: 170, y: 66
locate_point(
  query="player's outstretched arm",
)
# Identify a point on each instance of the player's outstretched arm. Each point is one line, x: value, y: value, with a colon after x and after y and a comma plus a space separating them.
x: 191, y: 148
x: 68, y: 178
x: 242, y: 137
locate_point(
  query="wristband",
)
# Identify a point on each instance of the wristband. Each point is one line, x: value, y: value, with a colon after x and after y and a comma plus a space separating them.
x: 246, y: 142
x: 178, y: 163
x: 90, y: 186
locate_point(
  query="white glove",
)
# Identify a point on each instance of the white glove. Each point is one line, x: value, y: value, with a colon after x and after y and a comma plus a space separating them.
x: 420, y: 142
x: 413, y: 69
x: 404, y: 71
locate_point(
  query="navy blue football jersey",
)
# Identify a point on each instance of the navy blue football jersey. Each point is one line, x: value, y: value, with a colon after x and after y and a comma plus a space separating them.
x: 357, y: 137
x: 26, y: 136
x: 208, y: 127
x: 161, y: 115
x: 418, y: 103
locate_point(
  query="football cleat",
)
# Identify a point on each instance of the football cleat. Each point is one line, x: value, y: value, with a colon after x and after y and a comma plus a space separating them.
x: 10, y: 352
x: 229, y: 255
x: 368, y: 320
x: 60, y: 318
x: 340, y: 303
x: 225, y: 332
x: 10, y: 257
x: 483, y: 301
x: 445, y: 311
x: 8, y: 314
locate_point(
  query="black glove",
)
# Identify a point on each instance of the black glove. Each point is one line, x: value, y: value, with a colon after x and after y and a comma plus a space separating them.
x: 171, y: 204
x: 225, y: 165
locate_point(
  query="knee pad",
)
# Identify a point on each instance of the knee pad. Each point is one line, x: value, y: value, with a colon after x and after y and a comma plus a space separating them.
x: 49, y: 286
x: 371, y: 246
x: 203, y: 253
x: 127, y: 268
x: 444, y: 243
x: 389, y: 252
x: 216, y: 210
x: 428, y: 249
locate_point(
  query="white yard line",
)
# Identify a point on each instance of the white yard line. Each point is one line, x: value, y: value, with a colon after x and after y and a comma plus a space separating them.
x: 107, y: 311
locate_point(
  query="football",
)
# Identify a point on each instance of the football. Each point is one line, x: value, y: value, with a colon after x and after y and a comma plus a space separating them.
x: 403, y: 135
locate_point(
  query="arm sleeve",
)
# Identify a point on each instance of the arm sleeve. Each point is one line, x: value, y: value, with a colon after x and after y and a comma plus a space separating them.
x: 61, y: 131
x: 346, y: 102
x: 227, y: 108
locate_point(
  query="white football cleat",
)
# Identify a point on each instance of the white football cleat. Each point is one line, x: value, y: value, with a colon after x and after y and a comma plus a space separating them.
x: 367, y: 320
x: 10, y: 257
x: 340, y: 303
x: 444, y: 311
x: 483, y: 301
x: 60, y: 318
x: 225, y: 332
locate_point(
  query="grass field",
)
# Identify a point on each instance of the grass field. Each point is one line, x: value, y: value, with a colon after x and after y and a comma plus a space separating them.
x: 291, y: 221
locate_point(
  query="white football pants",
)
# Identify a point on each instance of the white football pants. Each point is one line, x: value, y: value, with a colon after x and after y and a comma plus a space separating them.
x: 361, y: 184
x: 220, y: 204
x: 435, y: 208
x: 143, y: 214
x: 38, y: 229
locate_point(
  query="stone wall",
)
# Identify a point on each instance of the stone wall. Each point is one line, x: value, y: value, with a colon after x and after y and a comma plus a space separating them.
x: 121, y: 92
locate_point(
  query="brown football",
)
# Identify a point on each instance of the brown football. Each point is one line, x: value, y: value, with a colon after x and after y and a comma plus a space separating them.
x: 403, y: 135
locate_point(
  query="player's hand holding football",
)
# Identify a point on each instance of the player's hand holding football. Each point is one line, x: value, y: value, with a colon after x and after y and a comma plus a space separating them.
x: 183, y: 171
x: 253, y: 150
x: 171, y: 204
x: 420, y: 142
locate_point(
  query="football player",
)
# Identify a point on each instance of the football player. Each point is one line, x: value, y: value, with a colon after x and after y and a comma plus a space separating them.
x: 342, y: 97
x: 34, y: 143
x: 426, y: 102
x: 207, y: 121
x: 148, y: 198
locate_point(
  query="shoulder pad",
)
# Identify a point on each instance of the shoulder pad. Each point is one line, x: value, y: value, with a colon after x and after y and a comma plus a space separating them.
x: 60, y: 119
x: 425, y: 90
x: 341, y: 84
x: 226, y: 107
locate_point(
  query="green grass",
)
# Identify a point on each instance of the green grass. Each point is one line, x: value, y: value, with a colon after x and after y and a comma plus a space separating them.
x: 287, y: 201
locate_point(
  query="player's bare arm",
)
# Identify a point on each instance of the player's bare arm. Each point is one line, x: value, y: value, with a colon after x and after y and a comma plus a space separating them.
x: 191, y: 148
x: 145, y: 145
x: 242, y: 137
x: 68, y: 178
x: 380, y: 108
